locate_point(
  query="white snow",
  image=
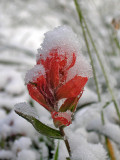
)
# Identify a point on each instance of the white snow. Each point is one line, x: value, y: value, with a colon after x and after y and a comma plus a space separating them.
x: 14, y: 124
x: 11, y: 81
x: 12, y: 88
x: 88, y: 96
x: 34, y: 73
x: 62, y: 150
x: 26, y: 155
x: 115, y: 61
x: 44, y: 150
x: 66, y: 42
x: 4, y: 154
x: 21, y: 144
x: 81, y: 68
x: 61, y: 38
x: 83, y: 150
x: 10, y: 100
x: 26, y: 109
x: 2, y: 114
x: 108, y: 129
x: 110, y: 114
x: 19, y: 39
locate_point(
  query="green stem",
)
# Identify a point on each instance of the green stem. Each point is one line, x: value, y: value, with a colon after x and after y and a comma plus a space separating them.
x: 99, y: 59
x: 2, y: 143
x: 102, y: 113
x: 103, y: 70
x: 88, y: 48
x: 116, y: 41
x: 65, y: 140
x: 102, y: 117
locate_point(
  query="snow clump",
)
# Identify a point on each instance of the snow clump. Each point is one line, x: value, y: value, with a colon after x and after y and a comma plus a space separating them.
x: 66, y: 42
x: 34, y: 73
x: 83, y: 150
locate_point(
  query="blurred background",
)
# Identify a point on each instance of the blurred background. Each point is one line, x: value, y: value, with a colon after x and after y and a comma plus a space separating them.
x: 22, y: 27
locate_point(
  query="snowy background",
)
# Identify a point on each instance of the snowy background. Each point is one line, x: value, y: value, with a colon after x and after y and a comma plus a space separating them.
x: 22, y: 27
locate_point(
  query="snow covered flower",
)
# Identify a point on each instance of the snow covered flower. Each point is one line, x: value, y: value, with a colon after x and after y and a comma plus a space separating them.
x: 59, y: 75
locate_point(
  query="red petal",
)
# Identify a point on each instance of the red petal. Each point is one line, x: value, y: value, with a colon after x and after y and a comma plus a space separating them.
x: 73, y: 61
x: 51, y: 65
x: 54, y: 73
x: 56, y: 67
x: 64, y: 68
x: 45, y: 90
x: 61, y: 118
x: 37, y: 96
x: 69, y: 104
x: 72, y: 88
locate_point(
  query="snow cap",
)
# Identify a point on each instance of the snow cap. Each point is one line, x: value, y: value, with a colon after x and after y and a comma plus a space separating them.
x: 61, y: 38
x: 66, y: 42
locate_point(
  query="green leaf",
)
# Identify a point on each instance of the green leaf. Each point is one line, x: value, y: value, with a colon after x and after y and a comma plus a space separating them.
x: 57, y: 152
x: 25, y: 111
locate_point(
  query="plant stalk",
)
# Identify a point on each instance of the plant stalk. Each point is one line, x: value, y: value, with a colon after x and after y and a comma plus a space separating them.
x: 65, y: 140
x: 82, y: 19
x: 110, y: 149
x: 103, y: 70
x: 88, y: 48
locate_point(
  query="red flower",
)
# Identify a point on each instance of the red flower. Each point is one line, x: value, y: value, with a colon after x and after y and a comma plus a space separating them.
x: 48, y: 83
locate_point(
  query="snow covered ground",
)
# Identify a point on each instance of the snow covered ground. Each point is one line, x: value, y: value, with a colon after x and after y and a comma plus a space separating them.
x: 22, y: 28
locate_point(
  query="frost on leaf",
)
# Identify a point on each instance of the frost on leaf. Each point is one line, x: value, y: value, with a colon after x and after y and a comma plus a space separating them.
x: 26, y: 109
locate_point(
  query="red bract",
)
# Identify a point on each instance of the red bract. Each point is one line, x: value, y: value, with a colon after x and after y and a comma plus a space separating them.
x: 61, y: 118
x: 56, y: 67
x: 48, y: 83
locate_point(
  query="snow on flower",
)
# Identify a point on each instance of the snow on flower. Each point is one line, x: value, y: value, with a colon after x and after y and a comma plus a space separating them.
x: 61, y: 72
x: 62, y: 118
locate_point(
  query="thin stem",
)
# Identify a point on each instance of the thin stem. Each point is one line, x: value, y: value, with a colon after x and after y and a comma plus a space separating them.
x: 99, y: 59
x: 108, y: 143
x: 102, y: 113
x: 103, y: 70
x: 116, y: 41
x: 88, y: 48
x: 65, y: 140
x: 110, y: 149
x: 102, y: 118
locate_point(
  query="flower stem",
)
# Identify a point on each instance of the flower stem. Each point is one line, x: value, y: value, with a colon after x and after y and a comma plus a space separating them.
x: 88, y: 48
x: 65, y: 140
x: 82, y: 19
